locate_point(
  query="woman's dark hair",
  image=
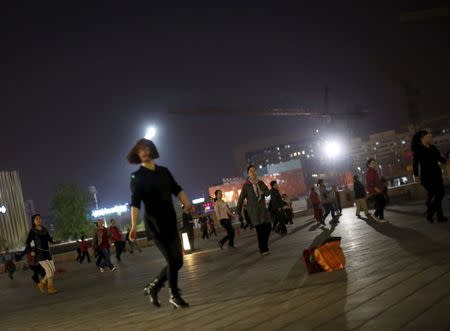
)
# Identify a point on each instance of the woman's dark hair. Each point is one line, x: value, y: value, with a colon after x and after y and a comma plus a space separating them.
x: 33, y: 218
x: 355, y: 178
x: 273, y: 183
x: 416, y: 141
x: 369, y: 161
x: 320, y: 182
x: 216, y: 193
x: 83, y: 237
x: 133, y: 155
x: 250, y: 166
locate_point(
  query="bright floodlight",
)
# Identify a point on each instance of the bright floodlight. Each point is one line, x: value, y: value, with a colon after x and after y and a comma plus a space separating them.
x: 150, y: 133
x: 332, y: 149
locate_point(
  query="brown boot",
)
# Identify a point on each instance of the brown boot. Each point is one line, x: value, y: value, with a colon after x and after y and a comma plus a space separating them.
x: 42, y: 284
x: 50, y: 286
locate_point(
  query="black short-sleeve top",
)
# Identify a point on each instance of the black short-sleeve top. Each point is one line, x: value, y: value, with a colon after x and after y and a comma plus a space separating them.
x: 155, y: 189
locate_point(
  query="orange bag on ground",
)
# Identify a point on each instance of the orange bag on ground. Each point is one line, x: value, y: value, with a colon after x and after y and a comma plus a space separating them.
x: 330, y: 255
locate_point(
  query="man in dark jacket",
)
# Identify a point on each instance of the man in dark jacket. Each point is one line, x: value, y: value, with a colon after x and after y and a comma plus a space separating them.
x: 276, y: 208
x: 360, y: 197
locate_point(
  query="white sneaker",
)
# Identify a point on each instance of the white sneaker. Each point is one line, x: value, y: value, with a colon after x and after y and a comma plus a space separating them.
x: 101, y: 269
x: 114, y: 269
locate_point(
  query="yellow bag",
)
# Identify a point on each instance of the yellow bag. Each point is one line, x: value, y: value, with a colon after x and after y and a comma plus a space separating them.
x: 330, y: 256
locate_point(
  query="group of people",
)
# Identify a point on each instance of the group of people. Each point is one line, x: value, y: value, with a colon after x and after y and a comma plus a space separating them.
x: 103, y: 238
x: 427, y: 171
x: 153, y: 186
x: 325, y: 202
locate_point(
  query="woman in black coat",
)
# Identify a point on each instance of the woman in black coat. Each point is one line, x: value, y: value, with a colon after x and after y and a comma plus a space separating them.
x: 427, y: 171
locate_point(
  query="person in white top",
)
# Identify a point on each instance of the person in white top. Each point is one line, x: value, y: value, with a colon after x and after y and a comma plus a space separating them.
x: 224, y: 216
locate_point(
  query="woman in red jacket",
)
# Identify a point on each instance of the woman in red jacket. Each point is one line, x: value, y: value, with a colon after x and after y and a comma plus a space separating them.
x: 314, y: 197
x: 375, y: 188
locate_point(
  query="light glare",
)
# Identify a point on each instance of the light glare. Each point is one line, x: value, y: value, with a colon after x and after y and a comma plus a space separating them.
x: 150, y: 133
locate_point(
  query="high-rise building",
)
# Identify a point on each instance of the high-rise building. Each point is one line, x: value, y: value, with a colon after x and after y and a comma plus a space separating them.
x: 94, y: 193
x: 392, y: 150
x: 13, y: 219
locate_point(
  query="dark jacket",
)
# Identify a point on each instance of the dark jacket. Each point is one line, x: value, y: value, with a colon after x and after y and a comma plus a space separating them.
x: 360, y: 191
x: 41, y: 240
x: 256, y: 206
x: 188, y: 220
x: 276, y: 202
x: 426, y: 164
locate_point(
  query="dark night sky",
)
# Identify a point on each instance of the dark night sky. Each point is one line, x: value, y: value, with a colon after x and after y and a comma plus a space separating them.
x: 80, y: 84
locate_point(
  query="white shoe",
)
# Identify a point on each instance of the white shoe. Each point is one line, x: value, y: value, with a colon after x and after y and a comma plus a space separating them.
x: 101, y: 269
x: 114, y: 269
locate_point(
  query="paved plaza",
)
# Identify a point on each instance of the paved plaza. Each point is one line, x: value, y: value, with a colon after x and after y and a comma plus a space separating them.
x: 397, y: 278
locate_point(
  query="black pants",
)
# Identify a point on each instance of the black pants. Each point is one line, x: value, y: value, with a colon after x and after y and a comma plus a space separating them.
x: 380, y: 203
x: 290, y: 216
x: 281, y: 220
x: 328, y: 209
x: 99, y: 255
x: 83, y: 255
x: 119, y: 245
x: 205, y: 233
x: 172, y: 251
x: 436, y: 193
x: 263, y: 234
x: 274, y: 220
x: 37, y: 271
x: 78, y: 255
x: 226, y: 223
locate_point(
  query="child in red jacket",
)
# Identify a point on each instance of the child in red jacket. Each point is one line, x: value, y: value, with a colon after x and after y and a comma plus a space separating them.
x: 84, y: 250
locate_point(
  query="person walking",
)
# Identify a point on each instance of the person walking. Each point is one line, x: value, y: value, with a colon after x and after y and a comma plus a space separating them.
x: 188, y: 227
x: 385, y: 184
x: 254, y: 192
x: 315, y: 201
x: 154, y: 186
x: 247, y: 218
x: 203, y: 220
x: 276, y: 206
x: 326, y: 200
x: 132, y: 244
x: 41, y: 238
x: 224, y: 216
x: 84, y: 249
x: 212, y: 226
x: 426, y: 160
x: 101, y: 243
x: 336, y: 200
x: 287, y: 206
x: 360, y: 197
x: 9, y: 265
x: 117, y: 239
x: 375, y: 188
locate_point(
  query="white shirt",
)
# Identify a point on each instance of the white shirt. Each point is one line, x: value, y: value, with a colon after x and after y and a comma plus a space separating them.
x: 221, y: 209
